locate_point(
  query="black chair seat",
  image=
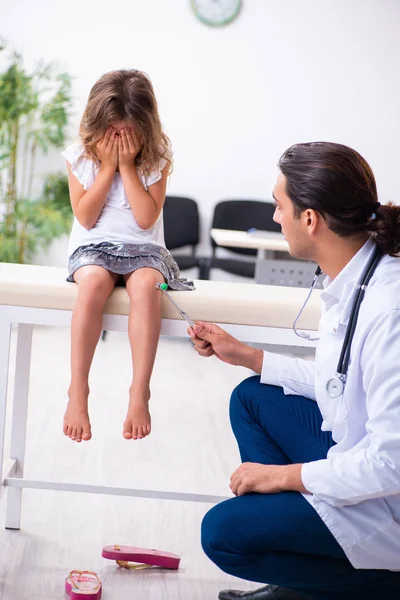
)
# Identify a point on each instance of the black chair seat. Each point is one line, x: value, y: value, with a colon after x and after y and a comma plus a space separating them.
x: 186, y: 261
x: 181, y: 228
x: 241, y: 215
x: 236, y: 267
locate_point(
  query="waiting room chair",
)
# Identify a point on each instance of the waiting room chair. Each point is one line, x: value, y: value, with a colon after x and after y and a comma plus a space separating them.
x: 182, y: 228
x: 240, y: 215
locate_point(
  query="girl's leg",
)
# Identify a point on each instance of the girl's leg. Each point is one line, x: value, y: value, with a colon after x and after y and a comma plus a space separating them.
x: 144, y: 331
x: 95, y: 284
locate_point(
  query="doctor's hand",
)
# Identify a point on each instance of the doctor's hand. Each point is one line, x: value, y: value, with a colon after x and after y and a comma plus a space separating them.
x: 266, y: 479
x: 210, y: 339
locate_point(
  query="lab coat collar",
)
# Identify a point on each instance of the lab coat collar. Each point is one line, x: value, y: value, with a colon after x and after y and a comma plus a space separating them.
x: 335, y: 288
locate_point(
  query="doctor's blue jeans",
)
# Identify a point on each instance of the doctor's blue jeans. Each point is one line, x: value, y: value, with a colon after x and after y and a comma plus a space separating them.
x: 279, y: 538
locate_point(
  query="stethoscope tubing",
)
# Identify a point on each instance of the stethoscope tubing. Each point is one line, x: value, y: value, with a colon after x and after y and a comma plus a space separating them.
x: 344, y: 358
x: 335, y: 386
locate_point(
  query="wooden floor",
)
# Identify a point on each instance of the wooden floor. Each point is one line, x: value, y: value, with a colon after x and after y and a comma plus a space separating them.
x: 191, y: 449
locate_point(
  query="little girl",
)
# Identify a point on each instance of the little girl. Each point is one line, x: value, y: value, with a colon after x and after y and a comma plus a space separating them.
x: 117, y: 173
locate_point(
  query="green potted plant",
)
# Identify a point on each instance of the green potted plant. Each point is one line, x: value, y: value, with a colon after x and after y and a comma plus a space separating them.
x: 34, y: 113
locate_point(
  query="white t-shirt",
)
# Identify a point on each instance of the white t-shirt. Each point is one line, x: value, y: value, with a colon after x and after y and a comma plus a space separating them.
x: 116, y: 222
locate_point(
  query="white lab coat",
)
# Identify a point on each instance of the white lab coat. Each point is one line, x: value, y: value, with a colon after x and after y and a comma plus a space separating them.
x: 356, y: 489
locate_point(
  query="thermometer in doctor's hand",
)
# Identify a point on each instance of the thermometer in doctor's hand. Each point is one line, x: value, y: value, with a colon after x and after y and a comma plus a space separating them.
x: 163, y: 288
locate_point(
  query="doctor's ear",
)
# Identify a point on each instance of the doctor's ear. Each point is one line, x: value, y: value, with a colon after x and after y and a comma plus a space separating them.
x: 310, y: 218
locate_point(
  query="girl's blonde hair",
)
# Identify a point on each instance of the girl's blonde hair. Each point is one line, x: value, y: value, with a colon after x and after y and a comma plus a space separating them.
x: 126, y: 95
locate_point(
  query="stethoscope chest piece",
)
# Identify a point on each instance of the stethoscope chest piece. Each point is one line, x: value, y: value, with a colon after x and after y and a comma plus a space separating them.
x: 335, y: 387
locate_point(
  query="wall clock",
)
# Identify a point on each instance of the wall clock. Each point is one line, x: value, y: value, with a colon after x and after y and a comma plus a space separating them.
x: 216, y: 12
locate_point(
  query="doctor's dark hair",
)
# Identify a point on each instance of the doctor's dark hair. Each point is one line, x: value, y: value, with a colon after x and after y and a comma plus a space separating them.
x: 337, y: 182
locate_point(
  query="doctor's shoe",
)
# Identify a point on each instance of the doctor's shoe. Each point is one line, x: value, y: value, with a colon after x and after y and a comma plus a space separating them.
x: 268, y: 592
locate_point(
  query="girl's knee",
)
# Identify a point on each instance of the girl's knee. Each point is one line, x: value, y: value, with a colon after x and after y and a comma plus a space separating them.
x: 143, y: 283
x: 95, y: 287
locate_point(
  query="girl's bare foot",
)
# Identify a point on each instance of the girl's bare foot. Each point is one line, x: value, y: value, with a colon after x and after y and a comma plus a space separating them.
x: 138, y: 421
x: 76, y: 418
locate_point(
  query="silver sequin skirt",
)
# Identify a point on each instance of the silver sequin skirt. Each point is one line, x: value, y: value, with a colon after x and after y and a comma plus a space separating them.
x: 127, y: 258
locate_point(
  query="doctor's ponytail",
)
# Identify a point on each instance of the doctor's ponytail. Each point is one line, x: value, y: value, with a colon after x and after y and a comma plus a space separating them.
x: 337, y: 182
x: 385, y: 228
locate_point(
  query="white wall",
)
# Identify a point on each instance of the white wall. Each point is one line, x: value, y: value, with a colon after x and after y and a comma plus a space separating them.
x: 232, y: 99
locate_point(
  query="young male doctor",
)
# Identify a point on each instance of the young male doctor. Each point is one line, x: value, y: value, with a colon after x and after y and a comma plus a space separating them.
x: 317, y: 507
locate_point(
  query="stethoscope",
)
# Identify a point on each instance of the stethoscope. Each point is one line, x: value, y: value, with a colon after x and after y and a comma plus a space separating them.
x: 335, y: 385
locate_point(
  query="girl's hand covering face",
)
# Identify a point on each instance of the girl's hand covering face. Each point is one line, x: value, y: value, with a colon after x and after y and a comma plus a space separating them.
x: 128, y: 147
x: 107, y: 149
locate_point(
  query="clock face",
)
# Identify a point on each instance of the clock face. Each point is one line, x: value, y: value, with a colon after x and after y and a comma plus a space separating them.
x: 216, y: 12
